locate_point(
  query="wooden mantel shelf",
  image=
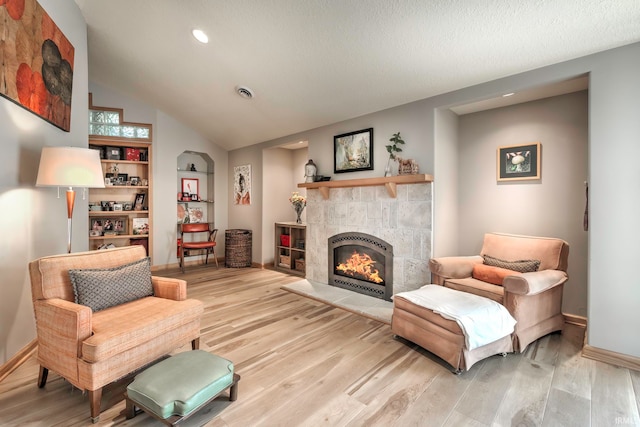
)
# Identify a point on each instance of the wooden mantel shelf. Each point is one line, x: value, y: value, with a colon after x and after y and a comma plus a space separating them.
x: 390, y: 182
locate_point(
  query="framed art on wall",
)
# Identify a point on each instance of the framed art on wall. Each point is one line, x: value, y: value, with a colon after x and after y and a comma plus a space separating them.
x: 37, y: 62
x: 242, y: 185
x: 353, y: 151
x: 518, y: 162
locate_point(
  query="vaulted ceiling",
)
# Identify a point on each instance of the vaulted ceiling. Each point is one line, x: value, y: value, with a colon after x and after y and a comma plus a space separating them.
x: 315, y: 62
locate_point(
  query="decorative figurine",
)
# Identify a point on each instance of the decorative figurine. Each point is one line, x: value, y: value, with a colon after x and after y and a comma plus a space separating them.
x: 310, y: 170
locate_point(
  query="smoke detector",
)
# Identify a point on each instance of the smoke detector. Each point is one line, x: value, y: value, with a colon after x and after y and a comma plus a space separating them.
x: 244, y: 92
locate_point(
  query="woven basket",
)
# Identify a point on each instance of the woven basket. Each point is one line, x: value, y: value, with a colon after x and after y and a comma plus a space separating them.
x: 285, y: 261
x: 237, y: 245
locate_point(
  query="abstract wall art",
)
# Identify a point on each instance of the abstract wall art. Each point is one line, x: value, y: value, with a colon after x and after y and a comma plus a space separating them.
x: 36, y: 67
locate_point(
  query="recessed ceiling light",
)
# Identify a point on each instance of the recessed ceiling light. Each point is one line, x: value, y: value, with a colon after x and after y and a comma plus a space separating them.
x: 508, y: 94
x: 200, y: 36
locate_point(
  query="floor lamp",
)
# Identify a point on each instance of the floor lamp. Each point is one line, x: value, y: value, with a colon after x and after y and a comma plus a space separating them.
x: 70, y: 167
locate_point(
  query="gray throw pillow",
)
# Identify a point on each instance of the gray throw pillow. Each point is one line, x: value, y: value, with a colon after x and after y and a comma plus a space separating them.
x: 522, y: 266
x: 101, y: 288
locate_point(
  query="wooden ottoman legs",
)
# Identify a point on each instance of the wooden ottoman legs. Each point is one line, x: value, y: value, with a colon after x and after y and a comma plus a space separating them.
x: 233, y: 391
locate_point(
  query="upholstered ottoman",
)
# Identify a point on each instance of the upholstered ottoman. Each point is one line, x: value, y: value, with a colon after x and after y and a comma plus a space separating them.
x: 178, y: 386
x: 424, y: 317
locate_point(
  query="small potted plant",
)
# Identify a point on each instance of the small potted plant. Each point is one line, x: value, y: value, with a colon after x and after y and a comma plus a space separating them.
x: 392, y: 149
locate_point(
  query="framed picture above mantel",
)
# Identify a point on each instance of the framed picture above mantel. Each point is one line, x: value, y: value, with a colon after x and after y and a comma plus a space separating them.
x: 518, y: 162
x: 353, y: 151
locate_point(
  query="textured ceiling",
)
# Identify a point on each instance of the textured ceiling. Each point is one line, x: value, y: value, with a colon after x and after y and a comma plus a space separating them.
x: 316, y: 62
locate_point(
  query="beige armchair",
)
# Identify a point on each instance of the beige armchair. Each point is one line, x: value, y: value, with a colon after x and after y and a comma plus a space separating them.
x: 534, y: 299
x: 91, y: 349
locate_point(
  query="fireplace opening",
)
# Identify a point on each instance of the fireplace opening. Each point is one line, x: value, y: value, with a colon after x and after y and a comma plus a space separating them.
x: 361, y: 263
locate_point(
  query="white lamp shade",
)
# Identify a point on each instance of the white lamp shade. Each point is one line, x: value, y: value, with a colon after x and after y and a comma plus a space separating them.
x: 70, y: 167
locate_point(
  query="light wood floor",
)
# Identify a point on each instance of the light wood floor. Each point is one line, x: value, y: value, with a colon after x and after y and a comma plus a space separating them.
x: 306, y: 363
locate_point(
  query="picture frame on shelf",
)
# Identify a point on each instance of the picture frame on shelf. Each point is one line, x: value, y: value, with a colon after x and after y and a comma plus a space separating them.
x: 183, y: 213
x: 191, y: 186
x: 118, y: 207
x: 518, y: 162
x: 123, y: 178
x: 120, y: 225
x: 140, y: 226
x: 108, y: 226
x: 195, y: 214
x: 135, y: 180
x: 138, y: 204
x: 353, y: 151
x: 96, y: 226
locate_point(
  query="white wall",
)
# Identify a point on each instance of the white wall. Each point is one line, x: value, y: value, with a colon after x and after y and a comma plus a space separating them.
x: 248, y: 217
x: 283, y: 171
x: 552, y: 206
x: 445, y: 187
x: 277, y: 186
x: 300, y: 159
x: 34, y: 220
x: 614, y: 119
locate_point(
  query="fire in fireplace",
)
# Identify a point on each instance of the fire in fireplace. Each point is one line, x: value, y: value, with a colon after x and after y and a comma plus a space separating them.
x: 362, y: 263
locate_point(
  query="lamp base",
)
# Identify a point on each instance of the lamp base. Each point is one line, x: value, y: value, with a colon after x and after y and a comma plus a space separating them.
x: 71, y: 198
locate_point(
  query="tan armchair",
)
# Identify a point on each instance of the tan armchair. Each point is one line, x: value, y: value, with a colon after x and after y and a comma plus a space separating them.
x: 534, y: 299
x: 92, y: 349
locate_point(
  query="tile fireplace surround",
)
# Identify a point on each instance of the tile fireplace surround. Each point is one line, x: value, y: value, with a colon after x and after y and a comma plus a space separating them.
x: 403, y: 221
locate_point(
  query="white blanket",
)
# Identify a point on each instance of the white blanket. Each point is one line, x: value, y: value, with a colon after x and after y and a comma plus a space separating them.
x: 482, y: 320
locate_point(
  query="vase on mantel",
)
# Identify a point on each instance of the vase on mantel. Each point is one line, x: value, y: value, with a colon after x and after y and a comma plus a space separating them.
x: 298, y: 208
x: 388, y: 169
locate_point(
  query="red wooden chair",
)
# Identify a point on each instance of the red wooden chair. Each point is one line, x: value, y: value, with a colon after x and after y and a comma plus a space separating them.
x: 208, y: 245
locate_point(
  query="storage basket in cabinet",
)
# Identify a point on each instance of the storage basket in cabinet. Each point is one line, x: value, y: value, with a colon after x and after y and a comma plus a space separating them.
x: 285, y: 261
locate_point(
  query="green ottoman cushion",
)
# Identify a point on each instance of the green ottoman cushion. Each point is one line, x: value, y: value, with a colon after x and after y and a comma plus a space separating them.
x: 181, y: 383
